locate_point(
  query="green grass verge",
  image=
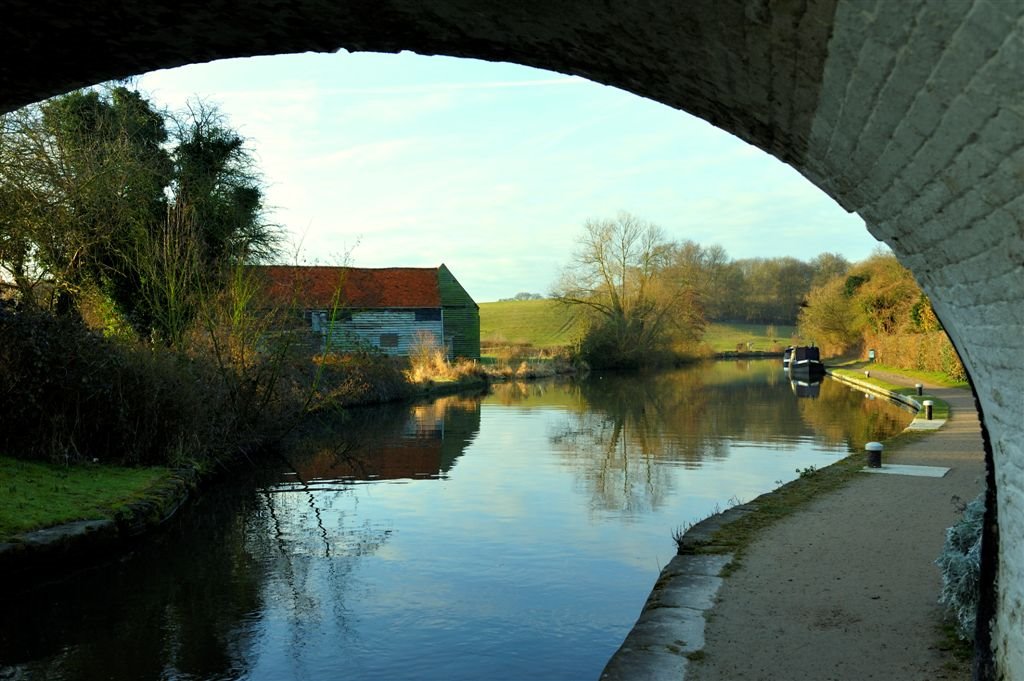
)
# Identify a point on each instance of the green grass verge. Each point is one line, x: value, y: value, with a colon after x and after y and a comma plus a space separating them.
x: 936, y: 377
x: 540, y: 323
x: 940, y: 408
x: 37, y: 495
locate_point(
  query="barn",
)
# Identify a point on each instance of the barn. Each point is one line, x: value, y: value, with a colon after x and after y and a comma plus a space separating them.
x: 389, y: 308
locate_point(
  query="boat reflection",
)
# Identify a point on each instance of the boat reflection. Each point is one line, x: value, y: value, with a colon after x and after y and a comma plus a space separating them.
x: 810, y: 388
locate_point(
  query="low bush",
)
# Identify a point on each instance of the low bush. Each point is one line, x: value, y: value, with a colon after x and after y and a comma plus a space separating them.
x: 362, y: 377
x: 70, y: 394
x: 960, y: 563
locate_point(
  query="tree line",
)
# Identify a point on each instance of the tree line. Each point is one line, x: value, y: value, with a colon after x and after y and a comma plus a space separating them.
x: 649, y: 297
x: 877, y: 305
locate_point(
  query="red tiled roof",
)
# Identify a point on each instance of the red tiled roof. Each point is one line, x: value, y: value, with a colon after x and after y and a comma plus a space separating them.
x: 314, y: 287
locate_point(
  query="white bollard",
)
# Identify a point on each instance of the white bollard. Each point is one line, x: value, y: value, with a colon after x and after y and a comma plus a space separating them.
x: 874, y: 450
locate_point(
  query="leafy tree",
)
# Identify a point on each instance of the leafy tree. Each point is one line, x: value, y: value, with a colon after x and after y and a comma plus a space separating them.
x: 521, y: 296
x: 97, y: 195
x: 774, y: 288
x: 216, y: 185
x: 830, y: 318
x: 621, y: 273
x: 878, y: 304
x: 79, y: 174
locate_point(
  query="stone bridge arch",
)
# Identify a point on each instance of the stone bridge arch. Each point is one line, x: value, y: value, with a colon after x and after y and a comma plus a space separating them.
x: 909, y: 112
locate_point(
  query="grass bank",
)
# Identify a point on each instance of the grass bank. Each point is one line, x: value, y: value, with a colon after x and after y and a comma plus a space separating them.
x: 940, y: 408
x: 545, y: 324
x: 35, y: 495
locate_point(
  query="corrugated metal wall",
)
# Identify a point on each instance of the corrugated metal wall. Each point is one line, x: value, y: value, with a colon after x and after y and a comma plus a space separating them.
x: 393, y: 332
x: 461, y: 316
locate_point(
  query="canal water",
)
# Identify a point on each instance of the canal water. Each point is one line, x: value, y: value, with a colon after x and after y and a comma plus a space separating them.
x: 513, y: 535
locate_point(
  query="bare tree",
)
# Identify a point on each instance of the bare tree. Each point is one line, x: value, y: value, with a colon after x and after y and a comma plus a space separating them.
x: 620, y: 273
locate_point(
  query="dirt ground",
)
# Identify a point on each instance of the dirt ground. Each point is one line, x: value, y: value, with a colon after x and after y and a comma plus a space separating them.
x: 846, y: 589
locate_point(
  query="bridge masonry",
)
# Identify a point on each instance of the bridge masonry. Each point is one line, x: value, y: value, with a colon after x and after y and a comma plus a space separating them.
x: 920, y: 129
x: 909, y: 112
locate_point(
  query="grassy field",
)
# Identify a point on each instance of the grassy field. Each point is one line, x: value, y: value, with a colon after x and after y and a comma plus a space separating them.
x: 546, y: 324
x: 540, y: 323
x: 727, y: 336
x: 35, y: 495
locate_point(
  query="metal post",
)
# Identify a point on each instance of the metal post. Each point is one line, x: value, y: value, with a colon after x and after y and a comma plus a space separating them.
x: 874, y: 450
x: 920, y: 389
x: 928, y: 409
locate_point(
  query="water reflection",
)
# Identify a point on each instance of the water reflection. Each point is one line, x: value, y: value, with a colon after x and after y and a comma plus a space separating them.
x: 502, y: 537
x: 389, y: 442
x: 623, y: 432
x: 809, y: 388
x: 162, y: 613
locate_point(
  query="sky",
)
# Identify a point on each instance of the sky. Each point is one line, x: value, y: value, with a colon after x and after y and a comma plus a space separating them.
x: 384, y: 160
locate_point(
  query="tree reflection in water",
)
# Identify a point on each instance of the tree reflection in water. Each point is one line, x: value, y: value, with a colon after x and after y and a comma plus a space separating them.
x: 307, y: 571
x: 623, y: 436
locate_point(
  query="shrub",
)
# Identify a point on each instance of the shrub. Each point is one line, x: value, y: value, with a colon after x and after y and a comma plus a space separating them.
x: 931, y: 351
x: 70, y: 394
x: 362, y: 377
x: 959, y: 563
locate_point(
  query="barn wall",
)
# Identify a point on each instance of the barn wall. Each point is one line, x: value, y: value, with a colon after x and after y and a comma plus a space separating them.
x: 461, y: 316
x: 365, y: 328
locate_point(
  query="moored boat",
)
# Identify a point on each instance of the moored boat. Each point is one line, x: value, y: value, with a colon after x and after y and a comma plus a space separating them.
x: 805, y: 362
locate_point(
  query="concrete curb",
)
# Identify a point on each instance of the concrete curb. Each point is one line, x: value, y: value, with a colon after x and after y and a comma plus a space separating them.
x: 919, y: 422
x: 671, y: 624
x: 61, y: 549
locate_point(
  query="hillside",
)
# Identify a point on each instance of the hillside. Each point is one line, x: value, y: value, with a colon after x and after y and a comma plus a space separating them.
x: 546, y: 323
x: 540, y: 323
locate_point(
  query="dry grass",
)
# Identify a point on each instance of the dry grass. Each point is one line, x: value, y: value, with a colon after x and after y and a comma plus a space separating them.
x: 428, y: 363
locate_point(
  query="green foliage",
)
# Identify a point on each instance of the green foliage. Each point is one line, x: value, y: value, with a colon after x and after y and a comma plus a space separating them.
x: 72, y: 395
x: 363, y: 377
x: 853, y: 283
x: 773, y: 289
x: 831, y: 318
x: 98, y: 196
x: 878, y: 305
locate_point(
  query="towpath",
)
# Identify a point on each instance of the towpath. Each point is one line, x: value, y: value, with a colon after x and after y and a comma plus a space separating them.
x: 846, y: 587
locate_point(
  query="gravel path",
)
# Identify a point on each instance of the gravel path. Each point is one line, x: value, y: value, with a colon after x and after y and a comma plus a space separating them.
x: 846, y: 588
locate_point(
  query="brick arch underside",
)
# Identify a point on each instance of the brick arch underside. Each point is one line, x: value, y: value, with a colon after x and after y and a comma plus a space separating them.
x: 909, y: 113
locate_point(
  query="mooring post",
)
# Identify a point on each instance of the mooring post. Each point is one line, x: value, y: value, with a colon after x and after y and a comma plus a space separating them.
x: 874, y: 450
x: 867, y: 374
x: 920, y: 389
x: 928, y: 409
